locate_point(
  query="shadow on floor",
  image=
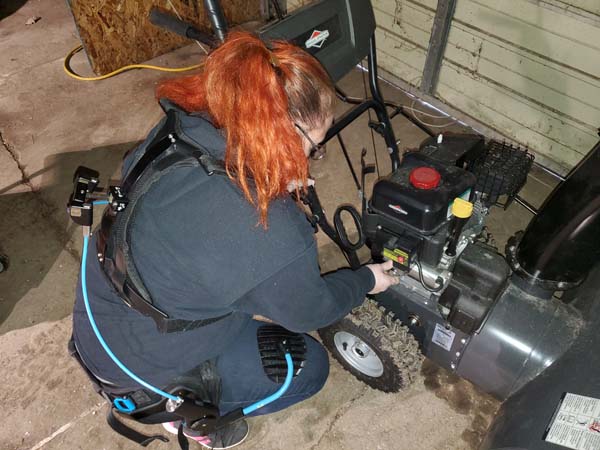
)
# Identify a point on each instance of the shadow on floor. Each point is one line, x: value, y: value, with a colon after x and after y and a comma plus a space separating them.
x: 464, y: 398
x: 9, y: 7
x: 35, y: 230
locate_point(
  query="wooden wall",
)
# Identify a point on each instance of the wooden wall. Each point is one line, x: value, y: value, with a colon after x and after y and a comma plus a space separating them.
x: 529, y: 69
x: 115, y: 33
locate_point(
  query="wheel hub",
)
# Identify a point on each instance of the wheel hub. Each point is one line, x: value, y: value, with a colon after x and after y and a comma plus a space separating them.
x: 358, y: 354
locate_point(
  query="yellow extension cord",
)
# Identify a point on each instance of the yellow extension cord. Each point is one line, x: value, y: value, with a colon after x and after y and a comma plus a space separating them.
x: 69, y: 71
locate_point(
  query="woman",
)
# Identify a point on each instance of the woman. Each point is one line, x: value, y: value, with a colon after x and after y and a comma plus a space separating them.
x: 237, y: 246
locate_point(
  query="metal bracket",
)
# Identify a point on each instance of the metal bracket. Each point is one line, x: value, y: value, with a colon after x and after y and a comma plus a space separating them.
x: 378, y: 127
x: 117, y: 199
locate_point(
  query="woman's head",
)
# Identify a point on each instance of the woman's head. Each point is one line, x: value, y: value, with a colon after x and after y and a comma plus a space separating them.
x: 267, y: 100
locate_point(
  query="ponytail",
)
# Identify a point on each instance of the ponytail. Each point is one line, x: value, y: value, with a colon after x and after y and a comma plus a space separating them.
x: 256, y: 95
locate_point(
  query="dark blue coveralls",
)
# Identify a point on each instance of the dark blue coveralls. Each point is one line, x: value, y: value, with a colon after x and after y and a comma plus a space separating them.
x: 200, y: 252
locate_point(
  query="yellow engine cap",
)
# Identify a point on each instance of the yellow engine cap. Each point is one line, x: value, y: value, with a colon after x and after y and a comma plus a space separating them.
x: 462, y: 208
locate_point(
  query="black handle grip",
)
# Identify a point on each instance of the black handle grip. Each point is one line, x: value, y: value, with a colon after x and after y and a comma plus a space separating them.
x: 341, y: 229
x: 310, y: 198
x: 177, y: 26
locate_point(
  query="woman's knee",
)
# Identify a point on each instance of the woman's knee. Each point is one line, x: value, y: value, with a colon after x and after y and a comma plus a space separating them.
x: 316, y: 366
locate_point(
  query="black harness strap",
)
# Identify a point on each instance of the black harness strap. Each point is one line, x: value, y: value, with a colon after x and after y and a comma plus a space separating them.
x: 164, y: 152
x: 129, y: 432
x: 164, y: 323
x: 182, y: 439
x: 161, y: 142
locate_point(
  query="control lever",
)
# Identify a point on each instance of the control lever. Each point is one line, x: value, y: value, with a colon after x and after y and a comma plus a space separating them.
x: 365, y: 170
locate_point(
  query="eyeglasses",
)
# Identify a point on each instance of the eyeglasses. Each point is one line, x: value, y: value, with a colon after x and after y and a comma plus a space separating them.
x: 314, y: 147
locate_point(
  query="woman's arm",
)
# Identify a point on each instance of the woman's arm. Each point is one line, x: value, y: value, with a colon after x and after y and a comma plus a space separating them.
x: 300, y: 299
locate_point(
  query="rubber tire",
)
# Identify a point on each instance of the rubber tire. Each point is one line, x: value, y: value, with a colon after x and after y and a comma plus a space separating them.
x: 397, y: 349
x: 3, y: 263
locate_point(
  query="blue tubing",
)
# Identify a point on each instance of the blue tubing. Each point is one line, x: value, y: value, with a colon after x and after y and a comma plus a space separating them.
x: 123, y: 404
x: 100, y: 202
x: 271, y: 398
x: 101, y: 339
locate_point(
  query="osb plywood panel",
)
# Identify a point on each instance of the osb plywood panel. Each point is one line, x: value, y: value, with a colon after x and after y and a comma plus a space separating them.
x: 115, y: 33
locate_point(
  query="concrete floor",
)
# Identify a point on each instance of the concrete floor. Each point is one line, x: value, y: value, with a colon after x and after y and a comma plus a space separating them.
x: 50, y: 124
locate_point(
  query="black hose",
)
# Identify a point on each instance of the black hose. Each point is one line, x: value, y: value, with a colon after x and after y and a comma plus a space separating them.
x: 422, y: 280
x: 398, y: 109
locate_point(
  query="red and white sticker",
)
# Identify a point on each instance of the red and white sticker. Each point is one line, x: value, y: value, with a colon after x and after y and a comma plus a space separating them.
x: 317, y: 39
x: 576, y: 423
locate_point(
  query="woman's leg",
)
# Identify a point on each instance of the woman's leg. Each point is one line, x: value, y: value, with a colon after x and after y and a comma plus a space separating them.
x: 244, y: 380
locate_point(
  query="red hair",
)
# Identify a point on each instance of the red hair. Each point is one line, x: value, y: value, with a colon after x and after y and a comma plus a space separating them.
x: 257, y: 94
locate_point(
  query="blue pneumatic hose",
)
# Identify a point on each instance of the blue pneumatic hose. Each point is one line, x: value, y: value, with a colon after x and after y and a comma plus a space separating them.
x: 126, y: 404
x: 101, y: 339
x: 271, y: 398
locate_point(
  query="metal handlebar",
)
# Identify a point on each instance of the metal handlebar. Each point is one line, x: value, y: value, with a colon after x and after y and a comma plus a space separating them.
x: 177, y: 26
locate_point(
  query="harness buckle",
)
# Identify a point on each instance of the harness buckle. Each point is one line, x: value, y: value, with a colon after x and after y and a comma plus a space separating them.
x: 117, y: 199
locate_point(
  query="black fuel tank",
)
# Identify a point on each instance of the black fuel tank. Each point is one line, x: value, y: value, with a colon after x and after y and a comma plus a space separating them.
x: 423, y: 209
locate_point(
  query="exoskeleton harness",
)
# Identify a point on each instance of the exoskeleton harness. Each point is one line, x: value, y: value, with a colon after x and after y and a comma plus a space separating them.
x: 282, y: 352
x: 169, y: 150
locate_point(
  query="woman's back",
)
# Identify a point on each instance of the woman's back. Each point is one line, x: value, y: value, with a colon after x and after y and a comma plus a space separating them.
x: 199, y: 250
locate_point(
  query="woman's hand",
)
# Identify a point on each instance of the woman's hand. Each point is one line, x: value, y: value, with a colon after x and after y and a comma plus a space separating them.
x: 383, y: 279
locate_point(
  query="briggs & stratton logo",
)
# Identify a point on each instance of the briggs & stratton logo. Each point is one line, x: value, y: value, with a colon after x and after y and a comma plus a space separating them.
x: 398, y: 208
x: 317, y: 39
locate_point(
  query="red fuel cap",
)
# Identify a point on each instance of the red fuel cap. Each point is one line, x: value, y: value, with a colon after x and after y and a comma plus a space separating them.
x: 425, y: 178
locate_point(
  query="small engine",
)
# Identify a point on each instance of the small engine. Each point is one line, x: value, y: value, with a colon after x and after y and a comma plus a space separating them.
x: 428, y: 218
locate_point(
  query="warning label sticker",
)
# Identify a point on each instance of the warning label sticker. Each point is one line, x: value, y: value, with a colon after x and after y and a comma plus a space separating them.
x: 400, y: 256
x: 442, y: 337
x: 576, y: 423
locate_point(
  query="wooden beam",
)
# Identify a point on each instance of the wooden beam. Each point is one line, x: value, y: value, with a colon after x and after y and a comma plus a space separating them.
x: 437, y: 44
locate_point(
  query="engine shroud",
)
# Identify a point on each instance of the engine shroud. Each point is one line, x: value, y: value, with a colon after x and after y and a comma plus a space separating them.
x: 423, y: 211
x: 404, y: 222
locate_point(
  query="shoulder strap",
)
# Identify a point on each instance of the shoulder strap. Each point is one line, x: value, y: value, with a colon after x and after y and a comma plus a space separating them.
x: 161, y: 154
x: 163, y: 140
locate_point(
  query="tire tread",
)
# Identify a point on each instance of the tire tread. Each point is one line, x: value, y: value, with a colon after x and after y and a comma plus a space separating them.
x: 392, y: 340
